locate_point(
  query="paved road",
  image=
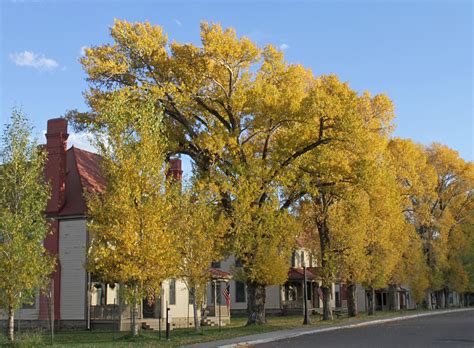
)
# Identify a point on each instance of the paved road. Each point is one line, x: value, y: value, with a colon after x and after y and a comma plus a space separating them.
x: 445, y: 330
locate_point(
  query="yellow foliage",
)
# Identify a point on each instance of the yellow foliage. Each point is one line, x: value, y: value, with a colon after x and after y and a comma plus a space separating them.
x: 131, y: 240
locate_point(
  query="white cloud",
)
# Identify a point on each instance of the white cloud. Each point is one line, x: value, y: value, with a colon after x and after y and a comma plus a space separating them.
x: 33, y: 60
x: 82, y: 141
x: 82, y: 50
x: 284, y: 46
x: 178, y: 22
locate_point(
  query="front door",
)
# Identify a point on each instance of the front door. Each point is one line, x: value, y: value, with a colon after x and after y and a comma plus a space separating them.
x: 148, y: 309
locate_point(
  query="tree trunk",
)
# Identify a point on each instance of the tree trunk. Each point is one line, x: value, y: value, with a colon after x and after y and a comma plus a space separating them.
x: 371, y: 301
x: 197, y: 323
x: 351, y: 299
x: 11, y: 322
x: 135, y: 312
x: 428, y: 302
x: 255, y: 304
x: 326, y: 302
x: 439, y: 299
x: 324, y: 243
x: 446, y: 297
x: 393, y: 298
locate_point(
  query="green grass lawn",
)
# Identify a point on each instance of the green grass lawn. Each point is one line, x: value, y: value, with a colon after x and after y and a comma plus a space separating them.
x: 178, y: 337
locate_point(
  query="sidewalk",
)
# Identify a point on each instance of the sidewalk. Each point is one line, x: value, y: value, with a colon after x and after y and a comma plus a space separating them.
x: 245, y: 341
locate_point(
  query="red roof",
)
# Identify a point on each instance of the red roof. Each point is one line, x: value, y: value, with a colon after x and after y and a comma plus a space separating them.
x: 297, y: 273
x: 88, y: 166
x: 82, y: 174
x: 216, y: 273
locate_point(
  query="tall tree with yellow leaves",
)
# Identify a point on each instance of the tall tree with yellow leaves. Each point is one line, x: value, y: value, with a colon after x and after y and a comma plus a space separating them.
x: 200, y: 228
x: 416, y: 179
x: 131, y: 242
x: 451, y: 208
x: 386, y: 233
x: 242, y: 113
x: 437, y: 186
x: 338, y: 181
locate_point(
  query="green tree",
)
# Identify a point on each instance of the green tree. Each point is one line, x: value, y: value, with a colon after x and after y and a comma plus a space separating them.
x: 24, y: 263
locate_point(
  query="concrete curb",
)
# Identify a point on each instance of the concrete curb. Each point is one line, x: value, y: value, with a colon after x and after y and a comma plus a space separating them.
x: 283, y: 336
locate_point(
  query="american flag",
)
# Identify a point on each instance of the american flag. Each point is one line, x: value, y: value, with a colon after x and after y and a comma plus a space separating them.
x: 226, y: 293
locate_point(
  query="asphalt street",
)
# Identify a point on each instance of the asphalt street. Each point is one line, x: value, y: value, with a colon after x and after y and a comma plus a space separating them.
x: 445, y: 330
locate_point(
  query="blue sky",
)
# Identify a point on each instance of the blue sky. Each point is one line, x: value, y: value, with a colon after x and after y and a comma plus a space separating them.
x: 417, y: 52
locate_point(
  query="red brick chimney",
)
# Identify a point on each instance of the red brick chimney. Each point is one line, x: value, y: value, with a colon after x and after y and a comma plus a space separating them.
x: 175, y: 171
x: 55, y: 171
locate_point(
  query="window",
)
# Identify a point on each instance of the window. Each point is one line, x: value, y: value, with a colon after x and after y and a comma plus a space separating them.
x: 191, y: 297
x: 239, y: 292
x: 98, y: 294
x: 216, y: 264
x: 302, y: 259
x: 172, y: 291
x: 293, y: 259
x: 337, y: 295
x: 30, y: 305
x: 310, y: 260
x: 290, y: 292
x: 238, y: 263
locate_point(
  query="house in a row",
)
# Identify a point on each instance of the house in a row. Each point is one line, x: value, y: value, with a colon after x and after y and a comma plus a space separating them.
x: 80, y: 300
x: 76, y: 298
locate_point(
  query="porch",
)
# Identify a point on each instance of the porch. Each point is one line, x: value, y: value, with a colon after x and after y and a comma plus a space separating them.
x: 292, y: 292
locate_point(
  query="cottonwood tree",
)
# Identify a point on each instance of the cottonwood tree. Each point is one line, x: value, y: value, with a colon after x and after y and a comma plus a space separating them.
x: 417, y: 179
x: 337, y: 181
x: 467, y: 259
x: 24, y: 193
x: 438, y: 187
x: 451, y: 208
x: 200, y: 228
x: 131, y: 242
x: 239, y: 111
x: 386, y: 233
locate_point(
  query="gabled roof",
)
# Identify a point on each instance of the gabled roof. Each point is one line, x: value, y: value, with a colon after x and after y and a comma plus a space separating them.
x: 82, y: 175
x: 88, y: 166
x: 312, y: 273
x: 216, y: 273
x: 298, y: 274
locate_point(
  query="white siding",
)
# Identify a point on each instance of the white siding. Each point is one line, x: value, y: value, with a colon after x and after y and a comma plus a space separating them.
x: 72, y: 256
x: 361, y: 298
x: 24, y: 313
x: 272, y: 292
